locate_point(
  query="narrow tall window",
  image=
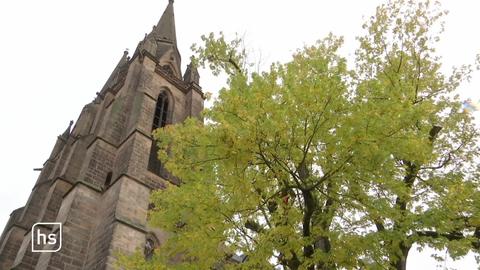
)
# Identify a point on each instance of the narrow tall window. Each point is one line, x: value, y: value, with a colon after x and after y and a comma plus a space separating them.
x: 159, y: 121
x: 108, y: 181
x: 161, y: 111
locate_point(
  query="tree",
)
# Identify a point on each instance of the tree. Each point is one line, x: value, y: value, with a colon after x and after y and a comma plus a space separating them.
x: 310, y: 165
x: 424, y: 192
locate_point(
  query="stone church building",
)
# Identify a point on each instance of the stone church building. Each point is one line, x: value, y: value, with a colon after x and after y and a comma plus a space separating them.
x: 97, y: 180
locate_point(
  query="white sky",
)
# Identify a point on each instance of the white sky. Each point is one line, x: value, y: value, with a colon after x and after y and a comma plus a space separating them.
x: 57, y: 54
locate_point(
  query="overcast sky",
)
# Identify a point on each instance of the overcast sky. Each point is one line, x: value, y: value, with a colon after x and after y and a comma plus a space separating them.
x: 56, y: 54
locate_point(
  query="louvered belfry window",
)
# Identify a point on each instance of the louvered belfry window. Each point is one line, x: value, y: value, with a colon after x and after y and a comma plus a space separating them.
x: 159, y: 121
x: 161, y: 111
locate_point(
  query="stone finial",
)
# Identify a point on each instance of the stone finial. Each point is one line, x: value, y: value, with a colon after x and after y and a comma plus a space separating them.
x: 191, y: 74
x: 113, y: 79
x: 66, y: 133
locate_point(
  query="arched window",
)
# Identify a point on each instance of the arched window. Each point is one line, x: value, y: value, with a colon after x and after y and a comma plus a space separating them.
x: 108, y: 181
x: 159, y: 121
x: 161, y: 111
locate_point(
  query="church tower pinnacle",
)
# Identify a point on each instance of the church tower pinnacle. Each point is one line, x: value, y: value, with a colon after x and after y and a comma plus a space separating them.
x: 165, y: 30
x: 161, y: 43
x: 97, y: 181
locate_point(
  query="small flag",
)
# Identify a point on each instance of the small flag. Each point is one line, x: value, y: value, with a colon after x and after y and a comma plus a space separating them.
x: 471, y: 106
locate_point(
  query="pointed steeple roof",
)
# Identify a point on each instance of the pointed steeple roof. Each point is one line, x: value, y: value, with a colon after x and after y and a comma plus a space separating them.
x: 161, y: 43
x: 165, y: 29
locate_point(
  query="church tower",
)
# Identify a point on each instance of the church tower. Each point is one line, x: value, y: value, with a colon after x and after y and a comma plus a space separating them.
x: 98, y: 178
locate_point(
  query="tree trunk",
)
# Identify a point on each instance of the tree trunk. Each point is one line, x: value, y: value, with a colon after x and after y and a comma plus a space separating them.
x: 400, y: 262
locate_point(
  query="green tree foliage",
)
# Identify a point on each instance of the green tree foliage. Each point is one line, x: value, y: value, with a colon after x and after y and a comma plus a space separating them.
x: 310, y: 165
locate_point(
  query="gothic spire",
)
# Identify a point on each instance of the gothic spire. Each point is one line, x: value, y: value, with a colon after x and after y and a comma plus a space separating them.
x: 112, y: 79
x: 161, y: 43
x: 66, y: 134
x: 165, y: 30
x: 191, y: 74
